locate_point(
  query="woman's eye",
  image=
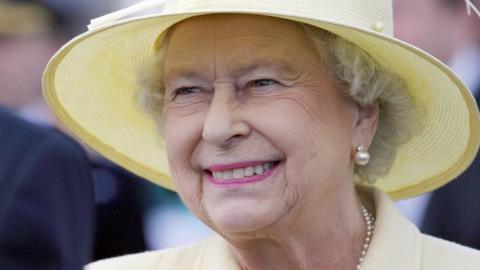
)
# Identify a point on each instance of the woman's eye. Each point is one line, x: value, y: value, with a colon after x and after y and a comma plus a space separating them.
x: 185, y: 91
x: 263, y: 83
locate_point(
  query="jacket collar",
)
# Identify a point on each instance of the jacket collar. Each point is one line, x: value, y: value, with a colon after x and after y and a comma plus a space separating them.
x: 217, y: 255
x: 396, y: 242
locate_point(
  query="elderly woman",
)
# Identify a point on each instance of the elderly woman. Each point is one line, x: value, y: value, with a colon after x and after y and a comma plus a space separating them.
x: 285, y: 124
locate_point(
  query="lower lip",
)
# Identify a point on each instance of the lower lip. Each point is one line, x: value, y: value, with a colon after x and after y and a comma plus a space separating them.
x: 241, y: 181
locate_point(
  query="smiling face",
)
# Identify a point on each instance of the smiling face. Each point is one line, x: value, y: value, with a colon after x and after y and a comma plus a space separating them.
x: 256, y: 131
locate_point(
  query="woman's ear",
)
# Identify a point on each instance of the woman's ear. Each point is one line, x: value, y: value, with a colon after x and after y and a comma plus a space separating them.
x: 365, y: 124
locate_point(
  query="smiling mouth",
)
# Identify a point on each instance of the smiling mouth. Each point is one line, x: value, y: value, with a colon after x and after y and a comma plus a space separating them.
x: 241, y: 173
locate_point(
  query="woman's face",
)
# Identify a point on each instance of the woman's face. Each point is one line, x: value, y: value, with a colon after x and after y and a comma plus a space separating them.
x: 255, y: 128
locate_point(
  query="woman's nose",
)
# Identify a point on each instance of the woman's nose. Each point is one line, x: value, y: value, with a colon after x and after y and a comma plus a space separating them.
x: 223, y: 122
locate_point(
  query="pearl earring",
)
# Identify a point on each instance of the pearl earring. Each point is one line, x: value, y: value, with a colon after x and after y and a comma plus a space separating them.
x: 362, y: 157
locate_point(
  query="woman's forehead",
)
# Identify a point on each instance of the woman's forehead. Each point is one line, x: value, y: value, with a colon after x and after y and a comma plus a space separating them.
x: 237, y: 40
x: 220, y: 26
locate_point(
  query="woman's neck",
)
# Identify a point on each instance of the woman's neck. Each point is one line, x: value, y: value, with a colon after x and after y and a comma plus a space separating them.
x: 311, y: 237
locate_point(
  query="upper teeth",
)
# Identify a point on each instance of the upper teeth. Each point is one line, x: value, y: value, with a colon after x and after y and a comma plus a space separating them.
x: 242, y: 172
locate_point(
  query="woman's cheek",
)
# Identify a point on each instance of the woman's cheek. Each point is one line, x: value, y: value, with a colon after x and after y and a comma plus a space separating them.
x: 182, y: 125
x: 182, y: 134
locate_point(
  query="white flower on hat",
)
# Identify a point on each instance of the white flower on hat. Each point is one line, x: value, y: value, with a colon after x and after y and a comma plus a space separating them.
x: 470, y: 7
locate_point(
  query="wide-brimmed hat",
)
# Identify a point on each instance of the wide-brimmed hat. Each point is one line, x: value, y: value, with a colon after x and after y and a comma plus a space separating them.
x: 91, y: 84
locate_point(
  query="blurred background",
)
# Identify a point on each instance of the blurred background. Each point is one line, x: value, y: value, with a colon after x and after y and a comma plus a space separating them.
x: 133, y: 215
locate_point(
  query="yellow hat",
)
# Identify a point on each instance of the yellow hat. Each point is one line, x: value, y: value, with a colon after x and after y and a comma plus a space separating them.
x: 90, y: 84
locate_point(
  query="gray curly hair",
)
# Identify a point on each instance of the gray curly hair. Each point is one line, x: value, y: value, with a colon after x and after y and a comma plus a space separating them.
x: 358, y: 75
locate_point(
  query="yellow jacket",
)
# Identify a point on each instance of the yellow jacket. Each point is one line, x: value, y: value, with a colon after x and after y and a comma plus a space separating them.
x: 396, y: 245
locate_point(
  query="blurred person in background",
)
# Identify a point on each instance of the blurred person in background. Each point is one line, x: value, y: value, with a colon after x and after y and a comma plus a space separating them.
x: 30, y: 32
x: 444, y: 29
x: 120, y: 209
x: 46, y: 192
x: 46, y: 198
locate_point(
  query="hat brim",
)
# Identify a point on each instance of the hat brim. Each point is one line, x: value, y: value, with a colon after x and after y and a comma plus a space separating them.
x: 91, y: 82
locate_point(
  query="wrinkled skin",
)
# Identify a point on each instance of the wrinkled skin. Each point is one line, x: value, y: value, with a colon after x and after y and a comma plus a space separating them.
x: 237, y: 89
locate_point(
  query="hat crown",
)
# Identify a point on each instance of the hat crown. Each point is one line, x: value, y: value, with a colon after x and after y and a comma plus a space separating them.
x: 368, y: 15
x: 376, y: 15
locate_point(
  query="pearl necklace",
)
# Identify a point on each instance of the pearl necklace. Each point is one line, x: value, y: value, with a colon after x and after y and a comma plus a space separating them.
x: 369, y: 223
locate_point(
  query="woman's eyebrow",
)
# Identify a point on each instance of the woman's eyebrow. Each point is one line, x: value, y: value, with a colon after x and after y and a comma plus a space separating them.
x: 286, y: 68
x: 184, y: 73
